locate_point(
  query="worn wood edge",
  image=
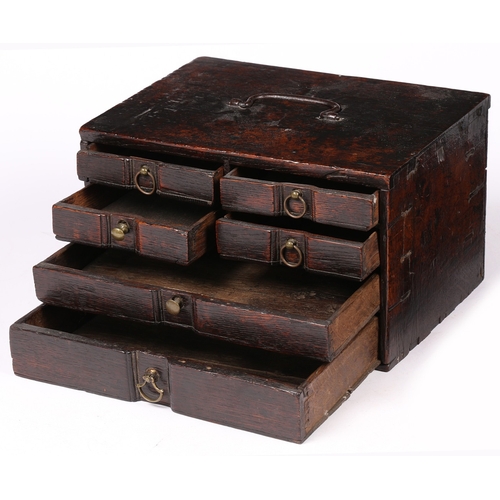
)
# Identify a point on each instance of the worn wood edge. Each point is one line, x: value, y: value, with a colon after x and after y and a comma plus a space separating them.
x: 370, y: 255
x: 342, y: 327
x: 376, y: 208
x: 322, y: 393
x: 202, y: 238
x: 329, y: 412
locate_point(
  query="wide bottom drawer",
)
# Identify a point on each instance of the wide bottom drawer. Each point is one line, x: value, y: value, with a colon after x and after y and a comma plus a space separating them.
x: 285, y: 397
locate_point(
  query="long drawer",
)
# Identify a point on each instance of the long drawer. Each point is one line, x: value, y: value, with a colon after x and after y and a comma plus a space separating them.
x: 272, y: 308
x: 280, y: 396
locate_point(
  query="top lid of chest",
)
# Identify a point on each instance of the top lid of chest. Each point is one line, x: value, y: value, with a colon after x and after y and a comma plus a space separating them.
x: 302, y: 122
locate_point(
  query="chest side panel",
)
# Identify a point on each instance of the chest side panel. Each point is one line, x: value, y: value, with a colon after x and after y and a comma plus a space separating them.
x: 435, y: 234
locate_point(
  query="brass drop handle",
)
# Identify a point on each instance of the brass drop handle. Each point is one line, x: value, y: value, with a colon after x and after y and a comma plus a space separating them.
x: 145, y: 171
x: 291, y: 244
x: 296, y: 194
x: 150, y: 377
x: 121, y: 229
x: 174, y: 306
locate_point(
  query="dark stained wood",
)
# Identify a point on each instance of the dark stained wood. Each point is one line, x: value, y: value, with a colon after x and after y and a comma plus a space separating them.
x: 324, y: 250
x: 392, y: 240
x: 271, y: 394
x: 260, y: 192
x: 395, y: 137
x: 383, y: 124
x: 273, y: 308
x: 174, y: 231
x: 43, y: 348
x: 174, y: 177
x: 434, y: 224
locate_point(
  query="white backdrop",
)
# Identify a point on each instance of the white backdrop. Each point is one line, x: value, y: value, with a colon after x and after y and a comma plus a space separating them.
x: 431, y: 424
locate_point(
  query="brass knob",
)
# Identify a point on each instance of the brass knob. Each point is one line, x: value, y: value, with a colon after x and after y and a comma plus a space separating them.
x: 120, y: 230
x: 174, y: 306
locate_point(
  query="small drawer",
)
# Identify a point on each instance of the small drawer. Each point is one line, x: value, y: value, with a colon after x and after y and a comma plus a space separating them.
x: 267, y: 193
x: 285, y: 397
x: 195, y: 180
x: 271, y: 308
x: 102, y: 216
x: 321, y: 249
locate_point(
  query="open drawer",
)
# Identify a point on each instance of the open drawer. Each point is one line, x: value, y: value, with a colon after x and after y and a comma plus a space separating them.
x: 269, y: 193
x: 150, y: 173
x: 280, y: 396
x: 102, y: 216
x: 272, y: 308
x: 298, y: 244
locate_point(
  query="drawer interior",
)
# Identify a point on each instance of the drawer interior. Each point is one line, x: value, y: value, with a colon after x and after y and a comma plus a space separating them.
x: 279, y: 177
x: 295, y: 293
x: 156, y: 209
x: 168, y: 341
x: 286, y: 397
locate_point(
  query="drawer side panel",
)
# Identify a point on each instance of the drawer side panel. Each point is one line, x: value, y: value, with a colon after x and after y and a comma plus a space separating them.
x: 332, y: 384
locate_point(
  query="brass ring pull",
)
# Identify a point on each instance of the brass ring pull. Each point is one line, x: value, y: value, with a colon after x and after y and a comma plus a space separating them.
x: 145, y: 171
x: 291, y: 244
x: 296, y: 194
x: 150, y: 377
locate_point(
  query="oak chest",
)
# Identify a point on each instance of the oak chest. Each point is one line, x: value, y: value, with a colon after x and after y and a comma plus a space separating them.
x: 252, y: 241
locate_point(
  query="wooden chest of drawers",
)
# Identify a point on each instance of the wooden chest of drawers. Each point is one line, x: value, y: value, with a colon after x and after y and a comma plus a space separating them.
x: 252, y: 241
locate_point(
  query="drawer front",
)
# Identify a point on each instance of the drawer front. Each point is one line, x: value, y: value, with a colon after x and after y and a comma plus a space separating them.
x: 199, y: 185
x: 242, y: 192
x: 244, y: 240
x: 43, y: 349
x: 256, y: 305
x: 279, y: 396
x: 112, y: 218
